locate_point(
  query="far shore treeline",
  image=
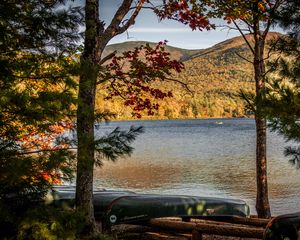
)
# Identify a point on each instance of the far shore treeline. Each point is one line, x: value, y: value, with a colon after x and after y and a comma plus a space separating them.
x: 214, y: 78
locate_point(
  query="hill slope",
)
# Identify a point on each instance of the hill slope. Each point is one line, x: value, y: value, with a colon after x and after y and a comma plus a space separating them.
x: 215, y: 76
x: 177, y: 53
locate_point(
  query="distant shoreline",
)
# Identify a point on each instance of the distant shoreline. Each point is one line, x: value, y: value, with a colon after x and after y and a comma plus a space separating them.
x: 163, y: 119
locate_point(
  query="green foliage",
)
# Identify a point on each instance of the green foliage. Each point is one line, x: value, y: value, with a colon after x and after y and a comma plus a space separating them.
x: 38, y: 41
x: 116, y: 144
x: 50, y: 223
x: 281, y: 100
x: 293, y: 153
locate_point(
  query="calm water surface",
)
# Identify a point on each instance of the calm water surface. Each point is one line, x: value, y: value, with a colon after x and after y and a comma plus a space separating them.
x: 214, y: 157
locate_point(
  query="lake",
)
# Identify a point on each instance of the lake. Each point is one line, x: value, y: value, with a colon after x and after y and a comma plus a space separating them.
x: 203, y: 157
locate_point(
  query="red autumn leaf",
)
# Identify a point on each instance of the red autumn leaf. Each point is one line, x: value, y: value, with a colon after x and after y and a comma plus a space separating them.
x: 133, y: 72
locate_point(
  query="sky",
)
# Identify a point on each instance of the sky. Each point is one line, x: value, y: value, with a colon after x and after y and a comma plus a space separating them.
x: 147, y: 27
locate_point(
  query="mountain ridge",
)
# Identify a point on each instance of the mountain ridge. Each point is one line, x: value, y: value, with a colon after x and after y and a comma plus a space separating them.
x: 215, y: 76
x: 228, y: 43
x: 176, y: 52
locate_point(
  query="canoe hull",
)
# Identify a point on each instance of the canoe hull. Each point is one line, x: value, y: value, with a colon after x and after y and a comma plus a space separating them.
x: 115, y: 207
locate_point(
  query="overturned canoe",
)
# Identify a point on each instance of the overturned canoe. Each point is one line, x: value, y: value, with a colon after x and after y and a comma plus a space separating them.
x: 116, y: 207
x: 285, y: 227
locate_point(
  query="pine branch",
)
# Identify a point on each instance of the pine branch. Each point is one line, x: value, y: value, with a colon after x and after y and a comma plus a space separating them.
x: 105, y: 116
x: 24, y: 152
x: 116, y: 144
x: 294, y: 154
x: 246, y: 97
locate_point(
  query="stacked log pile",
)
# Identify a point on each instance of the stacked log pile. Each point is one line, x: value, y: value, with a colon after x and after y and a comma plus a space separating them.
x: 195, y: 228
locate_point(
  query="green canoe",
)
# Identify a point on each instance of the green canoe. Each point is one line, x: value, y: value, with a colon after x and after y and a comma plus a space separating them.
x: 116, y: 207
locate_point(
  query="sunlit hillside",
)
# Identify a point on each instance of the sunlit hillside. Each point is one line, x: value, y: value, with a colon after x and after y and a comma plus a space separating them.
x: 215, y: 77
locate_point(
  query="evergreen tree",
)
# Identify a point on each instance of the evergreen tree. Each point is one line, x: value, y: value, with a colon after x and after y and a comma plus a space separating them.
x: 37, y: 41
x: 281, y: 101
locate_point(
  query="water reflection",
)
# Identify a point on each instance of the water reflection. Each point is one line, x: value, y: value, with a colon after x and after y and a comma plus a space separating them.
x: 129, y: 173
x: 199, y: 157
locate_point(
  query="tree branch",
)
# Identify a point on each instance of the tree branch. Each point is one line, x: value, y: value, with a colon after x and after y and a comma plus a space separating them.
x: 266, y: 31
x: 272, y: 48
x: 118, y: 17
x: 45, y: 150
x: 244, y: 37
x: 232, y: 28
x: 270, y: 69
x: 108, y: 57
x: 242, y: 57
x: 251, y: 106
x: 131, y: 20
x: 185, y: 85
x: 117, y: 91
x: 269, y: 22
x: 114, y: 28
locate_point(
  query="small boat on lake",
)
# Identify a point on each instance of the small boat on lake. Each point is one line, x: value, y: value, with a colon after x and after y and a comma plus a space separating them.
x: 115, y: 207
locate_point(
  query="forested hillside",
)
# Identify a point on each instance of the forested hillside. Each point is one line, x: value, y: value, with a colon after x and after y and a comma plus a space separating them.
x: 214, y: 76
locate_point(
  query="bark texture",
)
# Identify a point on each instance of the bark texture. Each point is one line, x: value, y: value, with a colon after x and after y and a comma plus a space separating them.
x: 96, y: 38
x: 85, y: 118
x: 262, y: 200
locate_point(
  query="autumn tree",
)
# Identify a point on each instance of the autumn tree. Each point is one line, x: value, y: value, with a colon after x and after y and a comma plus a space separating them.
x: 126, y: 76
x: 253, y: 19
x: 37, y: 41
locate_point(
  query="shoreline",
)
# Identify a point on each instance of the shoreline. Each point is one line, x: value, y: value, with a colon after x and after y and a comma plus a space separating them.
x: 179, y: 119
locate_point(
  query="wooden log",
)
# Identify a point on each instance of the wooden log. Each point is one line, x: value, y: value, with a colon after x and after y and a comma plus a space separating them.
x: 196, y: 235
x: 225, y: 230
x: 129, y: 228
x: 163, y: 236
x: 210, y: 222
x: 258, y: 222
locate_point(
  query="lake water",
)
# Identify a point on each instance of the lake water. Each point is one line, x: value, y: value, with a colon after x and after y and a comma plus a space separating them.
x: 209, y: 157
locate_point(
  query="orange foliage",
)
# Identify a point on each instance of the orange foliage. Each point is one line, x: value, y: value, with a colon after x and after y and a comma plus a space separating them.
x: 32, y: 139
x: 53, y: 178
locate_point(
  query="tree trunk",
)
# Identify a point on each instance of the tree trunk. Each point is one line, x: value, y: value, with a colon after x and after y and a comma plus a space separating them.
x: 262, y: 201
x: 96, y: 38
x: 85, y: 118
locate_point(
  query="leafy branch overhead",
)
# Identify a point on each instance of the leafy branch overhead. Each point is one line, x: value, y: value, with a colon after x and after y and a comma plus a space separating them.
x: 130, y: 76
x: 192, y: 13
x: 198, y: 14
